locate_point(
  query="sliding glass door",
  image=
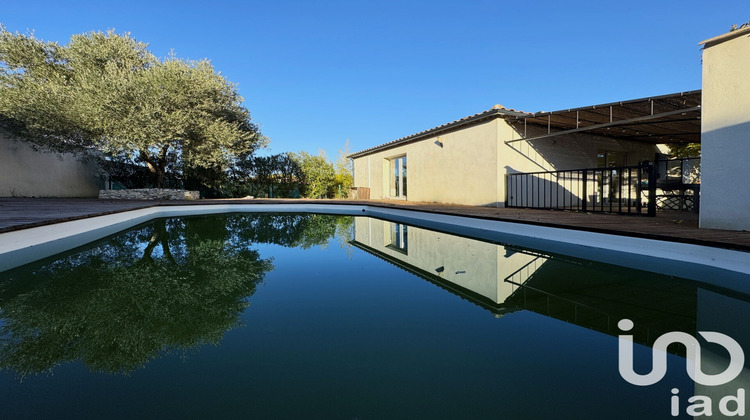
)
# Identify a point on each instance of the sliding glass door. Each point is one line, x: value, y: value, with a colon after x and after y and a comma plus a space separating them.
x: 398, y: 177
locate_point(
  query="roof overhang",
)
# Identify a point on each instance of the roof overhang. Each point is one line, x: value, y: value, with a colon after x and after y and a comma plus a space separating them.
x: 497, y: 111
x: 674, y: 118
x: 742, y: 30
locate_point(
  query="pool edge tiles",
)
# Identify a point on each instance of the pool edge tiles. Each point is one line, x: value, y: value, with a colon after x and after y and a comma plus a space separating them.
x: 23, y: 246
x: 722, y: 267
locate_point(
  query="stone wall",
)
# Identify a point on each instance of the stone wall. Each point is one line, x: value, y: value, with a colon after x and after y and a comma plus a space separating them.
x: 149, y: 194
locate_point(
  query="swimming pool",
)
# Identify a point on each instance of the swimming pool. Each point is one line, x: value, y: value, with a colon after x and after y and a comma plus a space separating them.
x: 334, y: 316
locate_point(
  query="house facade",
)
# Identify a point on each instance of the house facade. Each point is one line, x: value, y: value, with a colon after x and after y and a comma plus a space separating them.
x: 476, y: 160
x: 468, y: 161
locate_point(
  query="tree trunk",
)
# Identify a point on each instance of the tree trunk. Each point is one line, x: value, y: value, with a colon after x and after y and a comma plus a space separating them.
x: 162, y: 167
x: 156, y: 167
x: 159, y: 178
x: 159, y: 237
x: 157, y: 172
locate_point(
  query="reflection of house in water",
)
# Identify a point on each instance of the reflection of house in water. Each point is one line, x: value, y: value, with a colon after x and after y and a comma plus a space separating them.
x: 502, y: 279
x: 467, y: 267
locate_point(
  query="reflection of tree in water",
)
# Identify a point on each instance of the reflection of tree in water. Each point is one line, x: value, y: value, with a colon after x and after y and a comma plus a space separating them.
x: 293, y: 230
x: 171, y: 285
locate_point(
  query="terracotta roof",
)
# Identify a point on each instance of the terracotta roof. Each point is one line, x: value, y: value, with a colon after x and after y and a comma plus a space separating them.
x: 494, y: 112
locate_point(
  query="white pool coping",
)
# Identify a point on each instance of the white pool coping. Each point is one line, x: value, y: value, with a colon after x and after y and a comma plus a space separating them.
x: 718, y: 266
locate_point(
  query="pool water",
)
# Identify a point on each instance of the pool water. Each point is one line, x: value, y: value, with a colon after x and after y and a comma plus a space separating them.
x: 320, y: 316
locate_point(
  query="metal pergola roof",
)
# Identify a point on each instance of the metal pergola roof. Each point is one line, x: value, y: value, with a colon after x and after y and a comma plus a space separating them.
x: 674, y: 118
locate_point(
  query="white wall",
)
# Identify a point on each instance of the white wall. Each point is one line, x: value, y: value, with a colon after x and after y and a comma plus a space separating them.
x: 25, y: 172
x: 725, y: 133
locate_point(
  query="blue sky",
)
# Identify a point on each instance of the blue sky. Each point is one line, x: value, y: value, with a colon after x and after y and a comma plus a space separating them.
x: 315, y: 73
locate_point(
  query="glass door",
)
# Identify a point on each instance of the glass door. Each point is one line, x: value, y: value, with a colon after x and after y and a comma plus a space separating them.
x: 398, y: 177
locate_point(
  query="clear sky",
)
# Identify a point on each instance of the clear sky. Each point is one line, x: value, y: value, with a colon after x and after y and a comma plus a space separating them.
x: 316, y: 72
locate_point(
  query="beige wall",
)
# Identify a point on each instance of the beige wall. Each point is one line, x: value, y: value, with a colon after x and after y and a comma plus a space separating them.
x: 463, y: 171
x: 471, y: 166
x: 479, y: 266
x: 725, y: 134
x: 28, y: 173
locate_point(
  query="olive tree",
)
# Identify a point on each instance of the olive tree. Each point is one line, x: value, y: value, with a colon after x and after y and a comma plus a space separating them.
x: 106, y: 92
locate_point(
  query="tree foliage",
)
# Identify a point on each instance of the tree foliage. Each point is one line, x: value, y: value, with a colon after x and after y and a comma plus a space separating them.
x: 322, y: 178
x: 155, y: 289
x: 293, y: 230
x: 685, y: 150
x: 318, y: 174
x: 276, y: 175
x: 106, y: 92
x: 164, y: 287
x: 343, y: 180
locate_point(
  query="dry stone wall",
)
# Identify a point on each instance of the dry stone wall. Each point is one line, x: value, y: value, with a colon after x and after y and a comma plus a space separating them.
x: 149, y: 194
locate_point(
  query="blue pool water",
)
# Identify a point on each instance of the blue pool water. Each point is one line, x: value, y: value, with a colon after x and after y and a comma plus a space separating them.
x: 316, y: 316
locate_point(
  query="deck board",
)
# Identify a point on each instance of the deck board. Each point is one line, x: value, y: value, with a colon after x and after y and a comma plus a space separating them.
x: 20, y: 213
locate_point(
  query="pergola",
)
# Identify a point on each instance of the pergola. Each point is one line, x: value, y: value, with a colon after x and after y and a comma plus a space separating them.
x: 674, y: 118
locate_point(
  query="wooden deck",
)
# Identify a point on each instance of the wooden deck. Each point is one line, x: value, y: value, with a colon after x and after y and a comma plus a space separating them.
x: 21, y: 213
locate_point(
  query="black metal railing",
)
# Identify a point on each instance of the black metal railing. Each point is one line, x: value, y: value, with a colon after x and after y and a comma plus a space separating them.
x: 620, y: 189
